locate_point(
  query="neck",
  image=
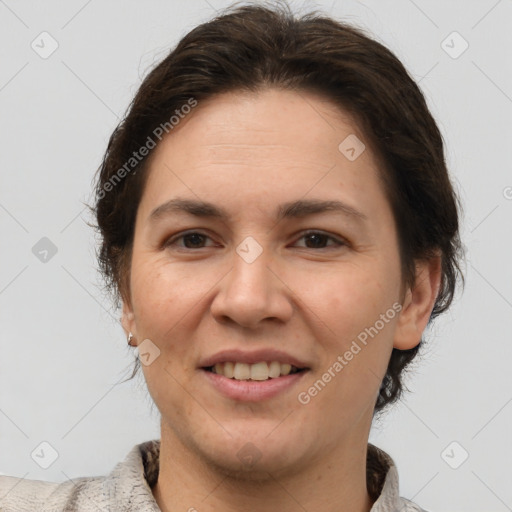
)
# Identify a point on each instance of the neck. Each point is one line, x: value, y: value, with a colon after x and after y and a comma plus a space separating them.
x: 332, y: 483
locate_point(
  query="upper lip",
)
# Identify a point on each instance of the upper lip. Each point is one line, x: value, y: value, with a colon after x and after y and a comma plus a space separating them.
x: 251, y: 357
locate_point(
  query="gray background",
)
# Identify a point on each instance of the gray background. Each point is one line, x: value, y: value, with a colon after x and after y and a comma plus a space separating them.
x: 63, y: 352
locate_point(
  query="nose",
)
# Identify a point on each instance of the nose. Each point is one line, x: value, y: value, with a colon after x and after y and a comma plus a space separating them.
x: 252, y: 293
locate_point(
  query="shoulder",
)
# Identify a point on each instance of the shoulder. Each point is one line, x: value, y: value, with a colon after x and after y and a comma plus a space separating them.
x: 383, y: 483
x: 127, y: 487
x: 409, y: 506
x: 17, y: 494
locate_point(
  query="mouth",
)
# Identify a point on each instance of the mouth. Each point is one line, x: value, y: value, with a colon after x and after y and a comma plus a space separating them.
x: 261, y: 371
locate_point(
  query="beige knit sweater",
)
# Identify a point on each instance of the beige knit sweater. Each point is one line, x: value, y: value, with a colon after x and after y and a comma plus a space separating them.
x: 128, y: 487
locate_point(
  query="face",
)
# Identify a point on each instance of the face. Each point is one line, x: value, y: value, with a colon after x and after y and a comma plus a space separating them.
x: 234, y: 281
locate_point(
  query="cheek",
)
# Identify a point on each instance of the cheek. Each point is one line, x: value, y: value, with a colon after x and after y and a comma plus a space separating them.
x: 163, y: 301
x: 346, y: 300
x: 169, y: 301
x: 162, y: 292
x: 357, y: 315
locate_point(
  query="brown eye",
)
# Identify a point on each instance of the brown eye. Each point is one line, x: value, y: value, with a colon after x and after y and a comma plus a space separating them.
x: 318, y: 239
x: 191, y: 240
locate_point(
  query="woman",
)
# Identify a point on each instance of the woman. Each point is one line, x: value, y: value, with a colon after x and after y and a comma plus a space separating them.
x: 279, y: 224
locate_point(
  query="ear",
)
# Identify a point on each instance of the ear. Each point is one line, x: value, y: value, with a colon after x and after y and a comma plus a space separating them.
x: 128, y: 319
x: 418, y: 304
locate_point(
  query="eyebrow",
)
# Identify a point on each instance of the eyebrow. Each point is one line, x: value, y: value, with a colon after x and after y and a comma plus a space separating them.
x: 292, y: 209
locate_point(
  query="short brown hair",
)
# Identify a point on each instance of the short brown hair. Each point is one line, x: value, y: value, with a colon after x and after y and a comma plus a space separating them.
x: 252, y: 47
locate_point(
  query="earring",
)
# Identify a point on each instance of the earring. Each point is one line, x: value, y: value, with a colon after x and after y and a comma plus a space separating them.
x: 130, y: 338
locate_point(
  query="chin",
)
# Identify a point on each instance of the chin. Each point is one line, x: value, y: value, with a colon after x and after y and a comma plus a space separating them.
x: 253, y: 457
x: 244, y: 468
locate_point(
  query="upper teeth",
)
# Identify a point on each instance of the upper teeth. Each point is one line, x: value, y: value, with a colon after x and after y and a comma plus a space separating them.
x: 258, y: 371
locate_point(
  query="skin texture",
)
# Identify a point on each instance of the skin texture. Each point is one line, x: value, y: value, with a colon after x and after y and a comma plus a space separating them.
x: 248, y: 153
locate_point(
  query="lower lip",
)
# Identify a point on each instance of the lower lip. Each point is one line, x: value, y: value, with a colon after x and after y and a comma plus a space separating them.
x: 253, y: 390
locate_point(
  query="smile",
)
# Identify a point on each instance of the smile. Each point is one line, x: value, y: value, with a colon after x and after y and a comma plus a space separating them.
x: 249, y: 390
x: 258, y: 371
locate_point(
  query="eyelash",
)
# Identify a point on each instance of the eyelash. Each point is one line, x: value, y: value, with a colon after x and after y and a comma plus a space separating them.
x: 338, y: 242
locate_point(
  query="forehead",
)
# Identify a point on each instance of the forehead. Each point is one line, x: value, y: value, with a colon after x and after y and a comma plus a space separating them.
x: 270, y: 117
x: 241, y: 145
